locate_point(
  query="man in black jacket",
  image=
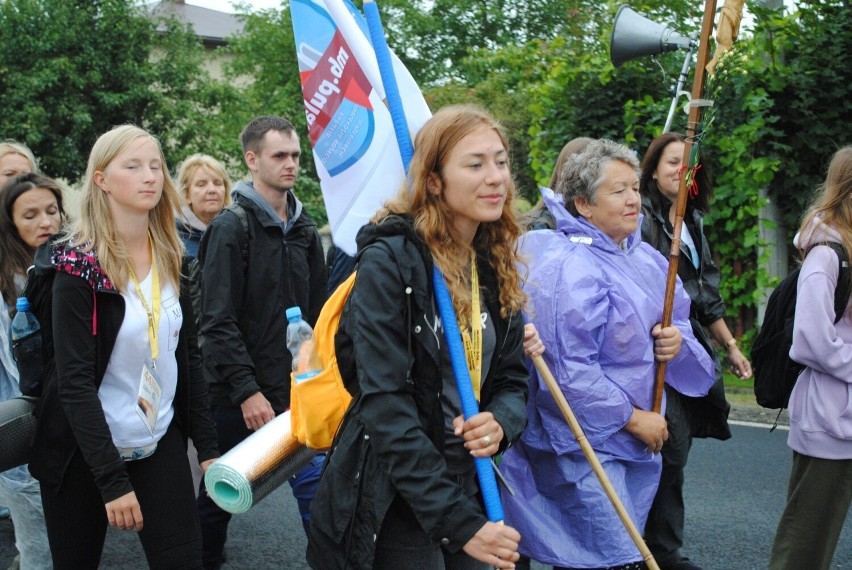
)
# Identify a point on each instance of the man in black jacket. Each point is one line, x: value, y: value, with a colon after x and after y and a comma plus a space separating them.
x: 256, y: 263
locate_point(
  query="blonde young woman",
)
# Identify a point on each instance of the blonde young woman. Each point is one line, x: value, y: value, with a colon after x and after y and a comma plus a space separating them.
x: 205, y: 188
x: 820, y: 488
x: 128, y: 389
x: 399, y: 489
x: 15, y: 158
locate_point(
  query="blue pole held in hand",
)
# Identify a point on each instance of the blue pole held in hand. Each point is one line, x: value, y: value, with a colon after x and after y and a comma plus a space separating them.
x: 397, y: 111
x: 484, y: 469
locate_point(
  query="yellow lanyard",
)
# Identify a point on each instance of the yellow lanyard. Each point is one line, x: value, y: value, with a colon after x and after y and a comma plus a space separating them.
x: 154, y: 310
x: 472, y: 336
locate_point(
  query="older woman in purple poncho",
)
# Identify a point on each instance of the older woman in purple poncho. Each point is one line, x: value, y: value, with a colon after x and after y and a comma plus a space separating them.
x: 597, y: 298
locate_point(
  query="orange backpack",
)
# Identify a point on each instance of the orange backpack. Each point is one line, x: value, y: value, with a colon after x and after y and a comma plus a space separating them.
x: 317, y: 405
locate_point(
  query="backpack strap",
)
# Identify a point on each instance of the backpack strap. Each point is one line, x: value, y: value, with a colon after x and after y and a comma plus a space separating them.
x: 240, y: 212
x: 844, y: 278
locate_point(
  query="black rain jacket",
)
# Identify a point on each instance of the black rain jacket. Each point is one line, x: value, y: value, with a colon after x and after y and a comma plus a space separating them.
x: 243, y: 300
x: 708, y: 414
x: 87, y: 313
x: 392, y: 438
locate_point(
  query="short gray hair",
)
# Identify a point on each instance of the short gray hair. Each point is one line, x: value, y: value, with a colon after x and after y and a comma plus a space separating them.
x: 583, y: 173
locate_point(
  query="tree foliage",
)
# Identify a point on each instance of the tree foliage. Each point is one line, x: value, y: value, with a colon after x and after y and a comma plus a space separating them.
x: 555, y: 84
x: 264, y: 65
x: 72, y: 70
x: 775, y: 125
x: 433, y: 37
x: 806, y: 73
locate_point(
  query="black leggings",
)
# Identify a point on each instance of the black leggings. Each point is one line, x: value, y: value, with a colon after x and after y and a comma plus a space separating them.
x: 171, y: 537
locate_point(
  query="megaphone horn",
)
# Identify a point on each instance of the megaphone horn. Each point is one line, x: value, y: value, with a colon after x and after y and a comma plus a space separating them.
x: 634, y: 35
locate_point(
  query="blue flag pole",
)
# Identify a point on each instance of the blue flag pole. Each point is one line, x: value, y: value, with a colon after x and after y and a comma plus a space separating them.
x: 484, y: 469
x: 397, y: 111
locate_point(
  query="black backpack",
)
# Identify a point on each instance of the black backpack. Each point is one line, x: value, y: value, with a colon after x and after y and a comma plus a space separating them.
x: 194, y: 267
x: 775, y: 373
x: 39, y: 293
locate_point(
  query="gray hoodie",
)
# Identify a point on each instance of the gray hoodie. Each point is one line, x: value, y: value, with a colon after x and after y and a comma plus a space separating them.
x: 294, y: 206
x: 821, y: 402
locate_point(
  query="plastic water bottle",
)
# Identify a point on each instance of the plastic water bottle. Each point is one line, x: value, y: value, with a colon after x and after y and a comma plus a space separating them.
x: 300, y: 341
x: 26, y: 346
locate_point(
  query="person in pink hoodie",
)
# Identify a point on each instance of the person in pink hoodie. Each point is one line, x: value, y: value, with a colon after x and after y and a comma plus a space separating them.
x: 820, y: 488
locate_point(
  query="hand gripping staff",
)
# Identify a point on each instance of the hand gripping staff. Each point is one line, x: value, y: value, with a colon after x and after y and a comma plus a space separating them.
x: 593, y: 460
x: 689, y: 158
x: 484, y: 469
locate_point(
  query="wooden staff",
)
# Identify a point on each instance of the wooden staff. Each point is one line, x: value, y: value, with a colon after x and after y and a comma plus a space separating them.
x: 680, y: 204
x: 593, y: 460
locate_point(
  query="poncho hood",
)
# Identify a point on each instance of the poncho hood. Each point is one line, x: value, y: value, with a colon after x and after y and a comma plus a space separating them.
x: 579, y: 230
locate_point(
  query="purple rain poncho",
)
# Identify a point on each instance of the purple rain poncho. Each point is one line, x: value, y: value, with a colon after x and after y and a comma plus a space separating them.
x: 594, y: 305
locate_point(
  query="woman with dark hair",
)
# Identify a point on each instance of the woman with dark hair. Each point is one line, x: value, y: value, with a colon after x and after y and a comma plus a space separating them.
x: 30, y: 213
x: 687, y: 417
x: 399, y: 488
x: 127, y: 388
x: 820, y: 488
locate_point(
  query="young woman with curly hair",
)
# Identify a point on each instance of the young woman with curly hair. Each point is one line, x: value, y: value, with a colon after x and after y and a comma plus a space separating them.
x: 399, y: 488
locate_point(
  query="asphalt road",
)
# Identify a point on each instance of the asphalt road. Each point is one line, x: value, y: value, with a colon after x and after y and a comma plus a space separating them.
x: 734, y: 496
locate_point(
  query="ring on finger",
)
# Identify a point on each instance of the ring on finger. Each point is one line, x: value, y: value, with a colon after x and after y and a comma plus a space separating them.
x: 487, y: 440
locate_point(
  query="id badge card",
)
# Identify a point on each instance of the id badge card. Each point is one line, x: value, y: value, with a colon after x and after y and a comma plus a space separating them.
x: 148, y: 400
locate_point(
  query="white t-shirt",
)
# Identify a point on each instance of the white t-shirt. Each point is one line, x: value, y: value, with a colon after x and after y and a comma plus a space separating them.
x: 119, y: 390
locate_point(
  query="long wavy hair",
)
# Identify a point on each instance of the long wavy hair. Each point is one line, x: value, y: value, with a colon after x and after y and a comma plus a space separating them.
x: 16, y: 256
x: 832, y: 202
x: 648, y: 186
x: 433, y: 219
x: 95, y: 230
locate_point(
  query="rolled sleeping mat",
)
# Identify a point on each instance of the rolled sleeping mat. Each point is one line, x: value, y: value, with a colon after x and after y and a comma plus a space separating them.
x: 17, y: 431
x: 257, y: 466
